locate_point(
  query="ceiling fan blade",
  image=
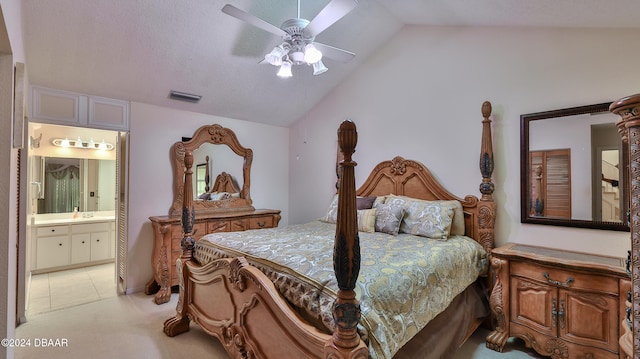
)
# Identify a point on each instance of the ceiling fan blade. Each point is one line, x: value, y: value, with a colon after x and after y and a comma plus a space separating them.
x: 252, y: 20
x: 331, y: 13
x: 335, y: 53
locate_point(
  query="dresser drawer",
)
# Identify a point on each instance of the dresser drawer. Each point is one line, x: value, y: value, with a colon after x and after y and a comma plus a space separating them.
x: 566, y: 278
x: 218, y: 226
x: 261, y: 222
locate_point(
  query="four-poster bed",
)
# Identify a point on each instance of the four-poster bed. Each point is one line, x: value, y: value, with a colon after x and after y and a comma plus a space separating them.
x: 245, y: 299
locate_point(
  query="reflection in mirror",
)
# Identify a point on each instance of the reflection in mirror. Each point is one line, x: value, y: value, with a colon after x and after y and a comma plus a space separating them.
x: 68, y: 183
x: 229, y: 171
x: 221, y: 159
x: 569, y: 169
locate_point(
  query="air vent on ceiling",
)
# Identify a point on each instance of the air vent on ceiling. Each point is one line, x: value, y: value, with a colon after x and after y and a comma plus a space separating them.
x: 183, y: 96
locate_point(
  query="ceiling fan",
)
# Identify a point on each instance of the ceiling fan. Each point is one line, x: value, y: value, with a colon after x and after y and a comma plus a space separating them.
x: 299, y: 46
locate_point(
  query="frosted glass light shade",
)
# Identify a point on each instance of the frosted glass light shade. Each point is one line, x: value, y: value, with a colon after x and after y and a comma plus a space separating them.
x: 285, y: 70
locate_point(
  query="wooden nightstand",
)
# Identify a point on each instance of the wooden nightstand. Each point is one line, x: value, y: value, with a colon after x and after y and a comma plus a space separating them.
x: 563, y: 304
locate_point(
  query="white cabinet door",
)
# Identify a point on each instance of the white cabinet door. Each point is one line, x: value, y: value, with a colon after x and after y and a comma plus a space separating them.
x: 108, y: 113
x: 99, y: 245
x: 52, y: 252
x: 57, y: 106
x: 80, y: 248
x: 75, y: 109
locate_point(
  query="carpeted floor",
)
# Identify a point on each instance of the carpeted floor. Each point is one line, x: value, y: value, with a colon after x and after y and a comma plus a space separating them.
x: 131, y: 327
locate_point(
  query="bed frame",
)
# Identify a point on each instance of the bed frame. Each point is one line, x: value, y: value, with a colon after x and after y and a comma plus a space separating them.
x: 238, y: 304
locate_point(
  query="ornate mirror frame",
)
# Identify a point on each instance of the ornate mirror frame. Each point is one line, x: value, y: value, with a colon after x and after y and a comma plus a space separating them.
x: 525, y: 216
x: 217, y: 135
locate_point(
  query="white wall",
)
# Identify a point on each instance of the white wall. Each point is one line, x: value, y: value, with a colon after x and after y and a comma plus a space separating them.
x: 420, y: 97
x: 152, y: 133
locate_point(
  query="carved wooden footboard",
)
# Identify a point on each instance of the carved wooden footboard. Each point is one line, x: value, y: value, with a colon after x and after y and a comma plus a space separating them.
x: 238, y: 304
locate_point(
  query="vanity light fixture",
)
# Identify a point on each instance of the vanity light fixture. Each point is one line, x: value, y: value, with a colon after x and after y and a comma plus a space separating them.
x: 79, y: 143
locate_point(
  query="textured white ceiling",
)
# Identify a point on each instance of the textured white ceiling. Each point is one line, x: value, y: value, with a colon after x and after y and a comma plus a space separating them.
x: 140, y: 50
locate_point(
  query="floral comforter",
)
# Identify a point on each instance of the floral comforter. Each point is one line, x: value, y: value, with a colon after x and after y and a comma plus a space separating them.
x: 404, y: 281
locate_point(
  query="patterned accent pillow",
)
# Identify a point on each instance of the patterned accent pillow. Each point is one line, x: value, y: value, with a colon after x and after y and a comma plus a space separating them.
x: 332, y: 212
x: 388, y: 218
x: 457, y: 223
x: 427, y: 219
x: 361, y: 203
x: 367, y: 220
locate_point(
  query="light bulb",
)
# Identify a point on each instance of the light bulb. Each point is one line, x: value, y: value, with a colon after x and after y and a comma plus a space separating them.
x: 311, y: 54
x: 78, y: 143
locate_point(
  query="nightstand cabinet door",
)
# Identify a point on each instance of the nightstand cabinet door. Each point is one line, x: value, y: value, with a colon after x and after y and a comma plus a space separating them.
x: 590, y: 319
x: 563, y: 304
x: 533, y: 305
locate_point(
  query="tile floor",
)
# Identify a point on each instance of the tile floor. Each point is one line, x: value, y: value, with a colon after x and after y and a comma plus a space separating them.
x: 57, y: 290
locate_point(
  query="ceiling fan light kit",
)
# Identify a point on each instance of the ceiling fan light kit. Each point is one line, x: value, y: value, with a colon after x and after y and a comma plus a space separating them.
x: 299, y: 46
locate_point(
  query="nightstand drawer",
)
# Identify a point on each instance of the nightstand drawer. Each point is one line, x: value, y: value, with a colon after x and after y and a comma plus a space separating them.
x: 565, y: 278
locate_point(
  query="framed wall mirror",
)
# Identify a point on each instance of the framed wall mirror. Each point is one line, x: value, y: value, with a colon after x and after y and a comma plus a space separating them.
x: 571, y: 171
x: 223, y: 171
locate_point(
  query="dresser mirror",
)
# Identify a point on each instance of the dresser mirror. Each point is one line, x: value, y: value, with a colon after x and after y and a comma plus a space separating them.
x: 222, y: 171
x: 570, y: 169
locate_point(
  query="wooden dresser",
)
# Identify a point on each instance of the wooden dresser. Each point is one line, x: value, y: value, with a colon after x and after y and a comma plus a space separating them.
x: 167, y: 234
x: 562, y: 304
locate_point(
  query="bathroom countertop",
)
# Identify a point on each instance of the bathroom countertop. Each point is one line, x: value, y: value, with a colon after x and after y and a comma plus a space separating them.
x: 48, y: 222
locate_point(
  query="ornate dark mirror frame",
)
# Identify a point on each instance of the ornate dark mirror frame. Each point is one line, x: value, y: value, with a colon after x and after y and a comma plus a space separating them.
x: 525, y: 216
x: 217, y: 135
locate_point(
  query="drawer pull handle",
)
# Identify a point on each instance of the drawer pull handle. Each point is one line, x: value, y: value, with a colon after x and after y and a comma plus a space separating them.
x: 554, y: 313
x: 262, y: 224
x: 53, y: 230
x: 557, y: 282
x: 60, y: 244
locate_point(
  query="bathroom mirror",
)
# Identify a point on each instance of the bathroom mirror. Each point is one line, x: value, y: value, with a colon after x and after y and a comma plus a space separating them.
x: 571, y: 172
x: 62, y: 184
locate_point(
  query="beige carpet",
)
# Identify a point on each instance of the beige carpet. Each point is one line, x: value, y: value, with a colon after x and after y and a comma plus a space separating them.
x: 131, y: 327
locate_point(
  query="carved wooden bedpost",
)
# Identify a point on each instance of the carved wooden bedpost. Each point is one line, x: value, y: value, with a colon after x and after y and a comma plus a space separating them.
x: 487, y: 218
x: 628, y: 109
x: 180, y: 323
x: 345, y: 342
x: 487, y: 206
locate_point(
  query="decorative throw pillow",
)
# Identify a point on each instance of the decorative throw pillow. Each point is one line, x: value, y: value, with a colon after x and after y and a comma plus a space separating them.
x: 427, y: 219
x: 365, y: 202
x: 332, y: 212
x: 217, y: 196
x: 367, y: 220
x: 204, y: 196
x: 379, y: 200
x: 457, y: 222
x: 388, y: 218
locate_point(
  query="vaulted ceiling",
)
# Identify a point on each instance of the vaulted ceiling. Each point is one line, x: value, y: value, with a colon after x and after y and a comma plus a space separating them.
x: 141, y: 50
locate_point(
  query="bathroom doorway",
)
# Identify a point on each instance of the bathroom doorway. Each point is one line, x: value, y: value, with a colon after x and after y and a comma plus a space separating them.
x: 72, y: 232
